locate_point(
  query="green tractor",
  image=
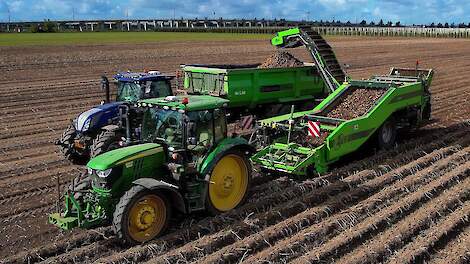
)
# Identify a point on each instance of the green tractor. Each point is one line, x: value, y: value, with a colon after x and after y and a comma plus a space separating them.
x: 191, y: 165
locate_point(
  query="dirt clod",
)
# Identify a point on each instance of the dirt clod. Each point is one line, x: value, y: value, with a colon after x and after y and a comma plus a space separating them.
x: 356, y: 103
x: 281, y: 59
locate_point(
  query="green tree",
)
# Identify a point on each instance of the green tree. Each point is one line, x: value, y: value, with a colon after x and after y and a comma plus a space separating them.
x: 50, y: 26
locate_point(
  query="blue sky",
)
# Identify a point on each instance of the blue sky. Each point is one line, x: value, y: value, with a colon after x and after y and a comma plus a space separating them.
x: 407, y: 11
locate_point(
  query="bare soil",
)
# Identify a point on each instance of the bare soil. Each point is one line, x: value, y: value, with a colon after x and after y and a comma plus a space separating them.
x: 408, y: 204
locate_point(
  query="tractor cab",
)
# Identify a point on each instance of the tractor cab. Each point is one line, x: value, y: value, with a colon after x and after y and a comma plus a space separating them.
x: 184, y: 123
x: 134, y: 86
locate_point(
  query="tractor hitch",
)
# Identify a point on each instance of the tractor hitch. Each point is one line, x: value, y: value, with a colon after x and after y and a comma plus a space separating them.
x: 84, y: 214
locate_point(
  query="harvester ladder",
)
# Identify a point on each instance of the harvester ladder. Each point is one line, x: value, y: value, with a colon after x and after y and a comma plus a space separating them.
x: 324, y: 58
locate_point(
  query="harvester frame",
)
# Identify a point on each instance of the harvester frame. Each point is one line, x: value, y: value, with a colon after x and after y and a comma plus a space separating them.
x: 405, y: 103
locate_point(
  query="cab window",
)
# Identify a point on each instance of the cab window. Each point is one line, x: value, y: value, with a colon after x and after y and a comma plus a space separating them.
x: 156, y: 89
x: 128, y: 91
x: 220, y: 127
x: 204, y: 128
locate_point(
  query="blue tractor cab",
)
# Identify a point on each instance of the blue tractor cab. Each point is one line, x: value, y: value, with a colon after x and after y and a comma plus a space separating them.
x: 99, y: 129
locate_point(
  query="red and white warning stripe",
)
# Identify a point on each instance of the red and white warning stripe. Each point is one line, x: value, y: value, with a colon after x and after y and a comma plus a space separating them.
x: 314, y: 129
x: 247, y: 122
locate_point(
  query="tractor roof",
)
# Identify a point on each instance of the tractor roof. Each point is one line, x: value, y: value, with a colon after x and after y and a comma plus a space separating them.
x: 141, y: 76
x: 193, y: 102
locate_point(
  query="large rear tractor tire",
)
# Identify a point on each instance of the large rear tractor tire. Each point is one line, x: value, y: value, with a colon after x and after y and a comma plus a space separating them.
x: 141, y: 215
x: 387, y: 134
x: 229, y: 182
x: 106, y: 141
x: 67, y: 147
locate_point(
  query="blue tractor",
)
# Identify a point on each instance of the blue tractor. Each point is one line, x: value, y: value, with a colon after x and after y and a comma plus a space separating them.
x: 101, y: 128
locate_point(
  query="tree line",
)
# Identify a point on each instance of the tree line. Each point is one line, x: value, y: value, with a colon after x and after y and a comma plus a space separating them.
x: 382, y: 23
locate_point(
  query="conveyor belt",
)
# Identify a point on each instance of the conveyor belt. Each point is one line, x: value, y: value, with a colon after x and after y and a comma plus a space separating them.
x: 325, y: 52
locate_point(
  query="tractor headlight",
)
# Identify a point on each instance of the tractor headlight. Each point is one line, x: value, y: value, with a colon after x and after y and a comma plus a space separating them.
x: 103, y: 174
x: 90, y: 171
x: 86, y: 125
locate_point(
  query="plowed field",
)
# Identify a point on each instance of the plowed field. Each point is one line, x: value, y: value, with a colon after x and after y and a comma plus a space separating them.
x: 407, y: 205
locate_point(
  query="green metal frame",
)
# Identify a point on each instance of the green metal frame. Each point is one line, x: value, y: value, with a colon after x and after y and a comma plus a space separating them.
x: 347, y: 135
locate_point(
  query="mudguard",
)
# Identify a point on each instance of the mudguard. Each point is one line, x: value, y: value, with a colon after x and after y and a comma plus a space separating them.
x: 174, y: 195
x: 222, y: 147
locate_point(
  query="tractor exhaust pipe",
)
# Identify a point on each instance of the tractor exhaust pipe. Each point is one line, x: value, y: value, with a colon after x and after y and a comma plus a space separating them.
x: 58, y: 193
x: 124, y: 116
x: 105, y: 86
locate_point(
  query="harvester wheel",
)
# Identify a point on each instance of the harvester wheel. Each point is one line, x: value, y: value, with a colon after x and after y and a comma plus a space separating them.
x: 387, y: 134
x: 229, y: 182
x: 141, y: 215
x: 66, y: 145
x: 105, y: 141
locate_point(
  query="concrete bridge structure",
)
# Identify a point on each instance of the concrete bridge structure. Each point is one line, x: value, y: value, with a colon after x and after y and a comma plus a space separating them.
x: 234, y: 26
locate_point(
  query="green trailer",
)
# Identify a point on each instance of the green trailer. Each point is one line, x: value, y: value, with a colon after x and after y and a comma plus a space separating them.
x: 403, y: 101
x: 266, y: 92
x: 270, y: 92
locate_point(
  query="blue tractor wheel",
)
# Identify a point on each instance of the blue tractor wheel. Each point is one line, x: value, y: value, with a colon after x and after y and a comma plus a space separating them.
x: 106, y: 141
x: 67, y: 146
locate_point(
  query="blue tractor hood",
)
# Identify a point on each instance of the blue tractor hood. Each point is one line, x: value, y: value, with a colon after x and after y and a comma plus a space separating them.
x: 97, y: 117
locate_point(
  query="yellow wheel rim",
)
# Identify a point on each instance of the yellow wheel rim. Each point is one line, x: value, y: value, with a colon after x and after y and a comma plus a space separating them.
x: 147, y: 218
x: 228, y: 182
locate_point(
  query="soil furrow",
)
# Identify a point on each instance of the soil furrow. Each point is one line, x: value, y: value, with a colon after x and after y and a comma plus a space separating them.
x: 455, y: 251
x: 269, y: 236
x: 379, y: 248
x: 309, y: 196
x: 418, y: 250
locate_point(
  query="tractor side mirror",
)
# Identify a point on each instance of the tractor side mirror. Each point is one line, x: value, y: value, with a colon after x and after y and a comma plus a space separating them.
x: 191, y: 129
x: 191, y: 133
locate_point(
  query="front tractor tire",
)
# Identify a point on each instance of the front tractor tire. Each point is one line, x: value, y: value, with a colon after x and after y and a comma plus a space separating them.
x: 229, y: 182
x: 105, y: 141
x: 67, y: 146
x: 141, y: 215
x: 79, y: 185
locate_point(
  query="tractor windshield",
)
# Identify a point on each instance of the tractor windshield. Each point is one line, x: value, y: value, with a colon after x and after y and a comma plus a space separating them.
x: 162, y: 125
x: 128, y: 91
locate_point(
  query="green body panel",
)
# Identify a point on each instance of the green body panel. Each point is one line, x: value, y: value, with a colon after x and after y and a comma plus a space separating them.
x: 195, y: 102
x: 123, y: 155
x: 249, y: 87
x: 278, y: 40
x: 345, y: 136
x: 350, y: 135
